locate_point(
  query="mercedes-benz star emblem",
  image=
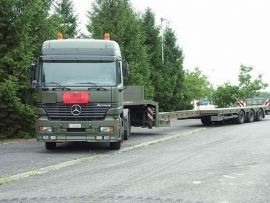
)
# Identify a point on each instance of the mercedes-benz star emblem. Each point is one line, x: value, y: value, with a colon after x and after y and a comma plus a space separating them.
x: 76, y: 110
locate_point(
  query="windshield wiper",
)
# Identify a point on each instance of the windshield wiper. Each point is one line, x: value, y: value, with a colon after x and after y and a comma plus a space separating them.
x: 98, y: 88
x: 54, y: 88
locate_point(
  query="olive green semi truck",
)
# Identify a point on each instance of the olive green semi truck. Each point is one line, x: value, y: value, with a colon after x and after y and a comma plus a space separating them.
x: 81, y: 94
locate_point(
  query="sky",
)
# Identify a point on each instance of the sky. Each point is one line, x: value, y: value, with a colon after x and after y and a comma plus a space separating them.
x: 215, y: 35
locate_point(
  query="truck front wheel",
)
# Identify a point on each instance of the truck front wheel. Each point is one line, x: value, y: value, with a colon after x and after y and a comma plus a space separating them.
x: 50, y: 145
x: 127, y: 132
x: 115, y: 145
x: 206, y: 121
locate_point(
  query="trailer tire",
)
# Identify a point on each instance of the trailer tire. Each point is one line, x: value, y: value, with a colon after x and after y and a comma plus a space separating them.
x: 250, y: 116
x: 241, y: 117
x: 206, y: 120
x: 259, y: 115
x: 50, y: 145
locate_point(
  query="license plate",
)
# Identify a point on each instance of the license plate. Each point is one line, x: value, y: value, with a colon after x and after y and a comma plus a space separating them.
x: 75, y: 126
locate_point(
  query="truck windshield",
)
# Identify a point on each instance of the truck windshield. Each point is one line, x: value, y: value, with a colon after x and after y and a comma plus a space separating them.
x: 81, y: 73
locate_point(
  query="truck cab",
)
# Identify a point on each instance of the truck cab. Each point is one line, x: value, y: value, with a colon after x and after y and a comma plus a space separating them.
x: 79, y: 92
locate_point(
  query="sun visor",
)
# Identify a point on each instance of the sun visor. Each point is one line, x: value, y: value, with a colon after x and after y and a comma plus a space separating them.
x: 77, y: 57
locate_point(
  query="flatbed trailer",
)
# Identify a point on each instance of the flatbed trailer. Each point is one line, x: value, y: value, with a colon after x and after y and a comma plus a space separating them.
x: 233, y: 114
x: 139, y: 110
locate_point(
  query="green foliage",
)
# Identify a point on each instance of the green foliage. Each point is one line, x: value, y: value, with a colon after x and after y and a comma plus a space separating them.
x: 265, y: 95
x: 67, y: 20
x: 249, y: 88
x: 117, y: 17
x: 197, y: 84
x: 141, y: 46
x: 24, y: 24
x: 152, y: 39
x: 170, y: 92
x: 226, y: 95
x: 16, y: 116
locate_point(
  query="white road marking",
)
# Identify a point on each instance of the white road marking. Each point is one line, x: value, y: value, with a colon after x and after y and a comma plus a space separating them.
x: 226, y: 176
x: 94, y: 157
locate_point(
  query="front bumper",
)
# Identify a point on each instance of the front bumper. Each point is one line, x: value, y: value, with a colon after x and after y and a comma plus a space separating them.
x: 88, y: 131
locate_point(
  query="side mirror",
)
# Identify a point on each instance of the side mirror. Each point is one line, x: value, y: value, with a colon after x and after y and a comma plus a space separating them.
x: 33, y: 81
x: 125, y: 69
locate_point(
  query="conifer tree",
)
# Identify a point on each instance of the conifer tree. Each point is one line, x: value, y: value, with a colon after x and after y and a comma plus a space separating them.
x: 64, y: 10
x: 118, y: 18
x: 24, y: 26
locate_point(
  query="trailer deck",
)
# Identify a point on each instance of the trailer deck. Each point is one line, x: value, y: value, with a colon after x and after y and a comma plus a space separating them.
x: 146, y: 113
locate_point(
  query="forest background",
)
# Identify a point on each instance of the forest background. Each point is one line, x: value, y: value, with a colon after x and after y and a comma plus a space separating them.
x: 25, y: 25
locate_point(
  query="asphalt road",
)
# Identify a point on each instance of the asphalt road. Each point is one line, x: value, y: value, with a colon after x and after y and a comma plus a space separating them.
x: 21, y: 157
x: 224, y: 163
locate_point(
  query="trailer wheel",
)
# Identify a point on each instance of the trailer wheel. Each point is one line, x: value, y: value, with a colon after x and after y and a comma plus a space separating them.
x: 50, y: 145
x: 241, y: 117
x: 206, y: 120
x: 250, y: 116
x: 259, y: 115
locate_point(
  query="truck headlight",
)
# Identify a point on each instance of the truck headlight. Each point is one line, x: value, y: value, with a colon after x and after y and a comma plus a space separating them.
x: 45, y: 129
x: 107, y: 129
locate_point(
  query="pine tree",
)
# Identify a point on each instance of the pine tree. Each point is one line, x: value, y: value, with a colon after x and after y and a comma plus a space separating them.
x: 24, y: 26
x: 171, y: 90
x: 117, y: 17
x: 153, y: 43
x: 64, y: 10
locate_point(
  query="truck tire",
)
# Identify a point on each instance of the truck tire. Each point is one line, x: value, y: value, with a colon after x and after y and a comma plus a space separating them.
x: 241, y: 117
x: 206, y: 120
x: 116, y: 145
x: 127, y: 132
x: 259, y: 115
x: 50, y: 145
x: 250, y: 116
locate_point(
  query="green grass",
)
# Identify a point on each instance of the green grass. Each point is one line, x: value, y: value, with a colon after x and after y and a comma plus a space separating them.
x: 6, y: 176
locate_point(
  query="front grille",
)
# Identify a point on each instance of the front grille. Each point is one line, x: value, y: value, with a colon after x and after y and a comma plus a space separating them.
x: 89, y: 112
x: 76, y: 130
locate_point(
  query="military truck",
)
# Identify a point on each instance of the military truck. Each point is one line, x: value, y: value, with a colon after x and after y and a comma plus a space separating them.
x: 81, y: 94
